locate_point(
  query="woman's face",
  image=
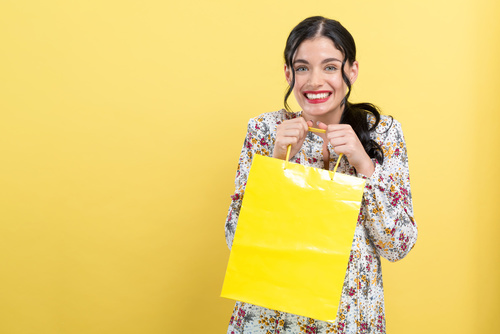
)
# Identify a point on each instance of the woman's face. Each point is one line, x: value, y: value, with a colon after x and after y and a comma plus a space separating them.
x: 319, y: 87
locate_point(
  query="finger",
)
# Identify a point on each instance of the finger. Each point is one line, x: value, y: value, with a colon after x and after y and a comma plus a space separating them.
x: 322, y: 126
x: 295, y: 127
x: 292, y: 133
x: 346, y: 132
x: 298, y: 124
x: 339, y: 141
x: 340, y: 149
x: 338, y: 127
x: 284, y: 142
x: 291, y: 122
x: 336, y: 134
x: 305, y: 125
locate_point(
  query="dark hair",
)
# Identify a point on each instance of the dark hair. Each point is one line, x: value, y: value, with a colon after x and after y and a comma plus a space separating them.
x: 355, y: 115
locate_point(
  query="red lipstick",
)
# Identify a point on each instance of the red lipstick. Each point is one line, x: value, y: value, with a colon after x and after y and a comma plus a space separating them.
x: 318, y: 100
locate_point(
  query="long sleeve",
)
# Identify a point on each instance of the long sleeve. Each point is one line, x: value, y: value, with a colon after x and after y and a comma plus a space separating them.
x: 257, y: 140
x: 385, y: 228
x: 388, y: 209
x: 240, y: 182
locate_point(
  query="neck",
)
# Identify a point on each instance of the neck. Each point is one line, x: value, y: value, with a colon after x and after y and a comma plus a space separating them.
x: 331, y: 118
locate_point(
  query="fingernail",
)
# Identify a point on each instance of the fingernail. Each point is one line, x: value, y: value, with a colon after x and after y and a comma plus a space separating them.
x: 317, y: 122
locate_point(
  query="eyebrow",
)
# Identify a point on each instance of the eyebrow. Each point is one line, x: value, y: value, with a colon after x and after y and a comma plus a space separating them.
x: 327, y: 60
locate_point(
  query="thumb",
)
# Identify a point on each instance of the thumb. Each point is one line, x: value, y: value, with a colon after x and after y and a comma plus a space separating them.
x: 322, y: 125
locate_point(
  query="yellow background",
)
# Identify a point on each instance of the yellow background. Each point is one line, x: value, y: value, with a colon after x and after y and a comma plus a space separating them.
x: 121, y: 125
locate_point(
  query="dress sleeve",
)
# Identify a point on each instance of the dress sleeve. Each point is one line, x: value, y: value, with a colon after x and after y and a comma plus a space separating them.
x: 252, y: 144
x: 387, y: 208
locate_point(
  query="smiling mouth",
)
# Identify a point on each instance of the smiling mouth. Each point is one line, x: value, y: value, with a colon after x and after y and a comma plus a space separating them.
x: 317, y: 96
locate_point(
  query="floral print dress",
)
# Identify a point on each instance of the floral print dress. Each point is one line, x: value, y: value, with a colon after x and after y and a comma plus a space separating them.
x: 385, y: 228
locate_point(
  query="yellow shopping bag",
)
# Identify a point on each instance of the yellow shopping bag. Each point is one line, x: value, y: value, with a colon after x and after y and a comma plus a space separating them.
x: 294, y: 235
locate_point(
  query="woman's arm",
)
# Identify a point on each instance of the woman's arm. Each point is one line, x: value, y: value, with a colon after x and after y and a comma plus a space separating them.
x: 244, y: 163
x: 259, y: 140
x: 387, y: 204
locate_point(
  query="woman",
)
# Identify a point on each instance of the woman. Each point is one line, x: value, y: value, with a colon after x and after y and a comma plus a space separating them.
x: 320, y: 67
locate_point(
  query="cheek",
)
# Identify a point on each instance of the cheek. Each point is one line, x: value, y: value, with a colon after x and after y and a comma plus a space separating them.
x: 299, y: 83
x: 297, y: 95
x: 340, y: 85
x: 296, y: 88
x: 338, y: 82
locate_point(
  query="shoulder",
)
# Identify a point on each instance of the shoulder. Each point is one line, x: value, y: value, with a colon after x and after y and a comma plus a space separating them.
x: 275, y: 117
x: 261, y: 132
x: 388, y: 129
x: 386, y: 123
x: 267, y: 122
x: 387, y: 132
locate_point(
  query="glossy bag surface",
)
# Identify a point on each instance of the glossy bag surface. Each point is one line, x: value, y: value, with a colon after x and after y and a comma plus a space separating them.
x: 294, y: 235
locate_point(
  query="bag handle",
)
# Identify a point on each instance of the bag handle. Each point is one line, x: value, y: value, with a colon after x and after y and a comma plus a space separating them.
x: 289, y: 148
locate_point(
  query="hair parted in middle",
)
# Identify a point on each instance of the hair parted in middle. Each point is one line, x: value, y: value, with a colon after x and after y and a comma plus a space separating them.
x: 355, y: 115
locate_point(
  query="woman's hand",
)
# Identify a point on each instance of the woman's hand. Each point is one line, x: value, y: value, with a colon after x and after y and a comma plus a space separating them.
x: 344, y: 140
x: 290, y: 132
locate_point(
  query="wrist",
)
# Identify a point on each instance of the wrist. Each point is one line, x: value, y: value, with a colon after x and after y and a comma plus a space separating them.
x: 366, y: 168
x: 279, y: 154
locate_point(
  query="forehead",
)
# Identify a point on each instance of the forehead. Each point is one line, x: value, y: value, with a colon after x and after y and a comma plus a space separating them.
x: 318, y: 48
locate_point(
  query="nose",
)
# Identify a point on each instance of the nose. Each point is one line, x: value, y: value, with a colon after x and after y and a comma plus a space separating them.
x: 316, y: 79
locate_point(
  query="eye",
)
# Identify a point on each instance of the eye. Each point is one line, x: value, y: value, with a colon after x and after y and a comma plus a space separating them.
x: 331, y: 68
x: 300, y: 69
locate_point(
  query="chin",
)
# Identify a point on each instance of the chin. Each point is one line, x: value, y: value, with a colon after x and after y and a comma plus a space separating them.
x: 315, y: 111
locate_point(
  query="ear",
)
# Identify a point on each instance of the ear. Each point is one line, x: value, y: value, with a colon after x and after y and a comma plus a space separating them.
x: 353, y: 72
x: 288, y: 74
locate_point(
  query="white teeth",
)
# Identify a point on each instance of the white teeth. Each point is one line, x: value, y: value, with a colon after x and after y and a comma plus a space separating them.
x: 317, y: 96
